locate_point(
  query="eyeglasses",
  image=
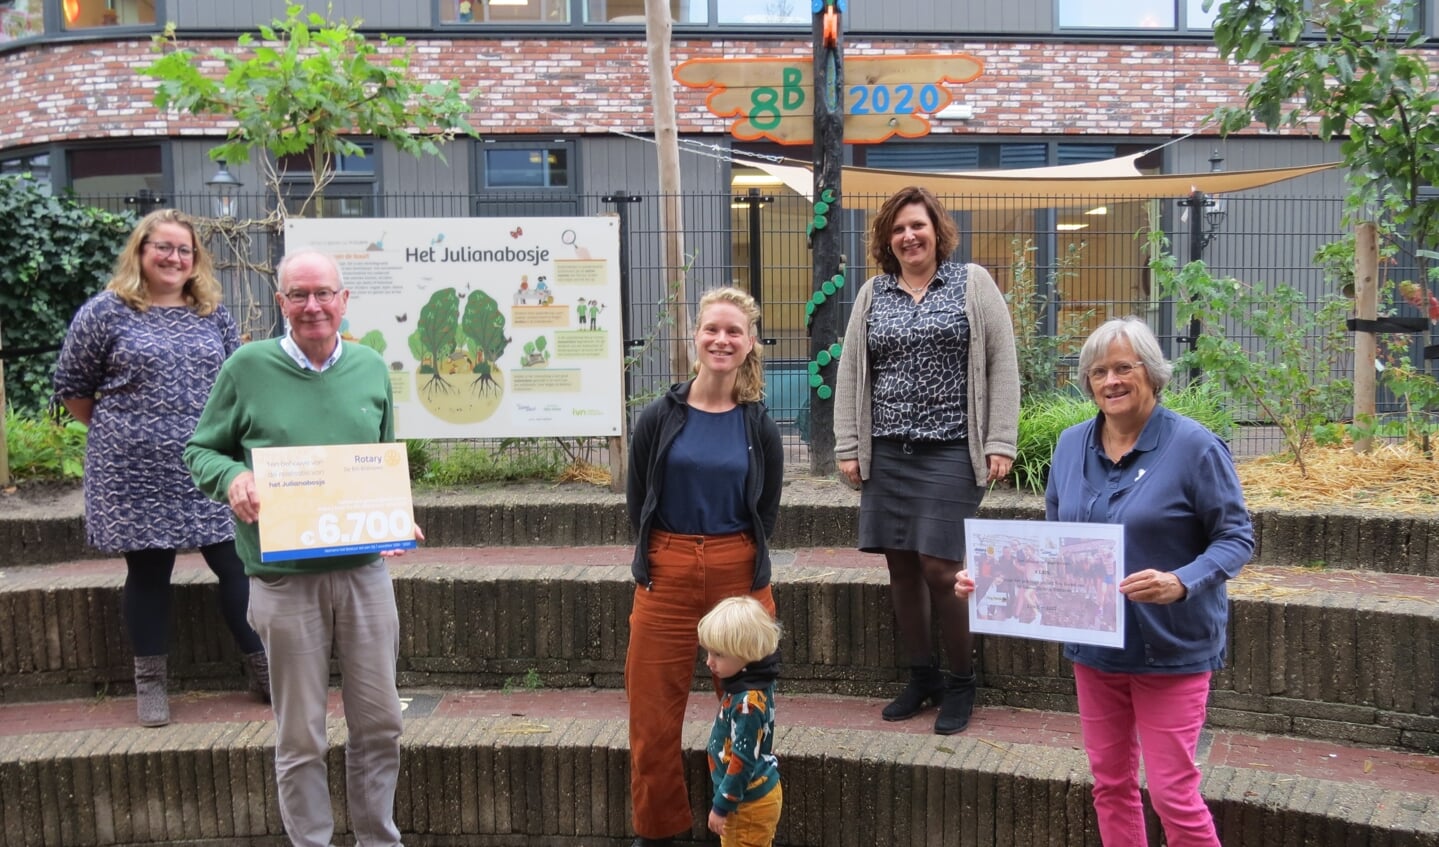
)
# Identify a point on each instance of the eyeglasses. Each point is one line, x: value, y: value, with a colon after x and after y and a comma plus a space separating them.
x: 300, y: 298
x: 1121, y: 370
x: 167, y: 249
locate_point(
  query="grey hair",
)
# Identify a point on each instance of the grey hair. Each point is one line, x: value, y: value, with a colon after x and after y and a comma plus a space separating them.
x: 1141, y: 339
x: 302, y: 253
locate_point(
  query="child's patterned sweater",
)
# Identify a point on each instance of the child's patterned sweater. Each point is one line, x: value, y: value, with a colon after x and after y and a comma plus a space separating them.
x: 741, y: 759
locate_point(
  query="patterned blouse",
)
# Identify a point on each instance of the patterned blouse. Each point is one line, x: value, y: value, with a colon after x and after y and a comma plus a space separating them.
x: 919, y: 353
x: 150, y: 373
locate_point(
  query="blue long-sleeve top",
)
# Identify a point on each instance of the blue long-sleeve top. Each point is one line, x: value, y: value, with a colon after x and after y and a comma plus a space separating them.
x: 1178, y: 497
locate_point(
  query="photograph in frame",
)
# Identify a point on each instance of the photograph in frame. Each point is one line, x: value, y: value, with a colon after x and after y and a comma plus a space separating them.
x: 1047, y: 580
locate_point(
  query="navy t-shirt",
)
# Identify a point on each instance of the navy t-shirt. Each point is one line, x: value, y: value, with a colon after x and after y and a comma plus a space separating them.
x: 705, y: 473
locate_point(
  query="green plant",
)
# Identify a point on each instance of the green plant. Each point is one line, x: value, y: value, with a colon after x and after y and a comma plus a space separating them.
x: 1040, y: 352
x: 417, y: 456
x: 42, y: 447
x: 516, y: 459
x: 530, y: 682
x: 1287, y: 370
x: 60, y: 252
x: 308, y: 86
x: 1043, y: 417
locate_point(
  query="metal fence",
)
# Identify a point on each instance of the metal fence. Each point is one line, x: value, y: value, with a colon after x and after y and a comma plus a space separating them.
x: 1094, y: 251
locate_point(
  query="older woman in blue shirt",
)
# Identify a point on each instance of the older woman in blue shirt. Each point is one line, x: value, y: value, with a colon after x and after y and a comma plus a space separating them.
x: 1171, y: 483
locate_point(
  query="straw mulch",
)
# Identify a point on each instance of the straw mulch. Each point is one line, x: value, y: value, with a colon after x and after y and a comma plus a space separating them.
x: 581, y: 471
x: 1393, y: 477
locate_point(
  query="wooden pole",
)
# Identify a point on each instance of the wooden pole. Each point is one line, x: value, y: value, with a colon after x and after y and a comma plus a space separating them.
x: 826, y: 240
x: 672, y: 247
x: 1366, y: 308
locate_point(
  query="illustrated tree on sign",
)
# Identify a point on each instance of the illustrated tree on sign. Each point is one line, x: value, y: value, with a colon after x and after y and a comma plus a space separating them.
x: 484, y: 326
x: 435, y: 338
x: 375, y: 340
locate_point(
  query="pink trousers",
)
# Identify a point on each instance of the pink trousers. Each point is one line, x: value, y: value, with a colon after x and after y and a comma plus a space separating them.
x: 1161, y: 715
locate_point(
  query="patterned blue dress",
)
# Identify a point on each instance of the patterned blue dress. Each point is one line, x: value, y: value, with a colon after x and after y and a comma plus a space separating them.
x: 150, y: 373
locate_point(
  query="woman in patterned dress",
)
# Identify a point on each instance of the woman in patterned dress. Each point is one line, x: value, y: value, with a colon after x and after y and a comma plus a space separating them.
x: 926, y: 414
x: 137, y: 367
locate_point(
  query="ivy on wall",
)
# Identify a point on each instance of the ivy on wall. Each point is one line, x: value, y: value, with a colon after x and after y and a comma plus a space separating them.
x: 56, y: 254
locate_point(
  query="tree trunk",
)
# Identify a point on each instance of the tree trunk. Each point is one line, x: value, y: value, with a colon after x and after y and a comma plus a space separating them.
x: 1366, y: 308
x: 672, y: 247
x: 827, y: 242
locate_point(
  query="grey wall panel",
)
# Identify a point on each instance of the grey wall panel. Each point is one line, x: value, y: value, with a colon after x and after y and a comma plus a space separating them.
x: 427, y: 186
x: 375, y: 14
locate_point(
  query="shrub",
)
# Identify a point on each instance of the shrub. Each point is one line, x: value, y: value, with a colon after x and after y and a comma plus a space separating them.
x: 60, y: 252
x: 1043, y: 417
x: 43, y: 448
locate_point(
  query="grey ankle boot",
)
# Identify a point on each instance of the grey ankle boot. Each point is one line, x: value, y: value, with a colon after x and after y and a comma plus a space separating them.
x: 152, y: 704
x: 257, y: 667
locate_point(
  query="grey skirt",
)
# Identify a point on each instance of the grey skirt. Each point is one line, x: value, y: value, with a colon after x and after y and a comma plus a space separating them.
x: 917, y: 497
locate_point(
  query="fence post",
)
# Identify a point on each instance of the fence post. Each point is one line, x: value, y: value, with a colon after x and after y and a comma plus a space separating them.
x: 1366, y: 308
x: 618, y: 444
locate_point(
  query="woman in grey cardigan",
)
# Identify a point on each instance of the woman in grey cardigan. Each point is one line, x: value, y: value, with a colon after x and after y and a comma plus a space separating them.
x: 926, y: 416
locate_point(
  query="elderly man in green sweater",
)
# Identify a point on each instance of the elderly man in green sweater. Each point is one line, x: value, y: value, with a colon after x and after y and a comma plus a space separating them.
x: 306, y: 388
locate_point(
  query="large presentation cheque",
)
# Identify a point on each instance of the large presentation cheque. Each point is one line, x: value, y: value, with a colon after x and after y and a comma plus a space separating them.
x: 333, y: 500
x: 1047, y: 580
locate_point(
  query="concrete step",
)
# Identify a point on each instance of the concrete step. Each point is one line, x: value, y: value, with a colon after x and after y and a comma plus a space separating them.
x: 548, y: 767
x: 814, y: 513
x: 1347, y: 655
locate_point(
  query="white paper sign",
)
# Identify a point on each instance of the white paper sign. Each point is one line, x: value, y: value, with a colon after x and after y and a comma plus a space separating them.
x: 1047, y: 580
x: 492, y: 327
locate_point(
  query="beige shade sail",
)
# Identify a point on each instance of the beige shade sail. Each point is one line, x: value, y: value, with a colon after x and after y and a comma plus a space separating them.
x: 1113, y: 179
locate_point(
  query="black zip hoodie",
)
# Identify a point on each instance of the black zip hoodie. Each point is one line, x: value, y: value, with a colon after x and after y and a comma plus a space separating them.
x: 655, y: 432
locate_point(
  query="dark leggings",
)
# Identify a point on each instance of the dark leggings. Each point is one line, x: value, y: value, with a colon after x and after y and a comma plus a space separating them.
x: 921, y: 586
x: 147, y: 599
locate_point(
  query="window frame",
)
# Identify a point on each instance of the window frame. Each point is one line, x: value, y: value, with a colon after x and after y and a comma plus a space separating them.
x: 577, y: 9
x: 486, y: 198
x: 345, y: 184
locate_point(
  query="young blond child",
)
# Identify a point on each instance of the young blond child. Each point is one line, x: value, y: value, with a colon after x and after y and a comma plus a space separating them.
x: 741, y: 639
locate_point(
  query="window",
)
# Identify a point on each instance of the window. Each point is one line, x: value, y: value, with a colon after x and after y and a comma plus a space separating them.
x: 84, y: 14
x: 762, y: 12
x: 526, y: 178
x: 633, y: 11
x: 36, y: 168
x: 119, y: 177
x: 350, y: 194
x: 505, y: 11
x: 20, y: 19
x: 540, y: 166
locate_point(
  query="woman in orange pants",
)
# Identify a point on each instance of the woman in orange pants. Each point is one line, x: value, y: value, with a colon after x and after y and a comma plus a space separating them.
x: 706, y: 467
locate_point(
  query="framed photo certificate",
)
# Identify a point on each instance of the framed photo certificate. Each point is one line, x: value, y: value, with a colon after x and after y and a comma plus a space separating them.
x: 1047, y: 580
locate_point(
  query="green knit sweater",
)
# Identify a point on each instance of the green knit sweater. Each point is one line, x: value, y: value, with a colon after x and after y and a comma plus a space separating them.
x: 262, y: 398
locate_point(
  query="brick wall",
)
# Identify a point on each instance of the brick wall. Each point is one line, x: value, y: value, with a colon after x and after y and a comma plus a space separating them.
x: 66, y: 92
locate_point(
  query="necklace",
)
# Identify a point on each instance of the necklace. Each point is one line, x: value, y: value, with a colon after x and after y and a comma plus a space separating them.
x: 914, y: 289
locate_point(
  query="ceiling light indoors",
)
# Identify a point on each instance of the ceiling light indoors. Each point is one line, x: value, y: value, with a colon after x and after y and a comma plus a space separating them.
x: 1098, y: 210
x: 1071, y: 227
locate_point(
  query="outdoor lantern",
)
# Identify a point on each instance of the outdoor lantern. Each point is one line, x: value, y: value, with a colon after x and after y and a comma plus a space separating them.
x: 224, y: 184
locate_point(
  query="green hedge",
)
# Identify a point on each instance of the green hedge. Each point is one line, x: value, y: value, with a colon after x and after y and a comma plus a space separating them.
x: 56, y: 253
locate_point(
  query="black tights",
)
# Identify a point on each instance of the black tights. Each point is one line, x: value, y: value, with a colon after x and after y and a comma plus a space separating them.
x: 147, y: 599
x: 921, y: 584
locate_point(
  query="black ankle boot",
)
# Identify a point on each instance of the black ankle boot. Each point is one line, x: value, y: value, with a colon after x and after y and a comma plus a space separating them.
x: 925, y: 686
x: 958, y: 703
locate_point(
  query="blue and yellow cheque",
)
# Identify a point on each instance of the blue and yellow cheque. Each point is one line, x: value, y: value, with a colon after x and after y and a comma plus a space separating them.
x: 333, y: 500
